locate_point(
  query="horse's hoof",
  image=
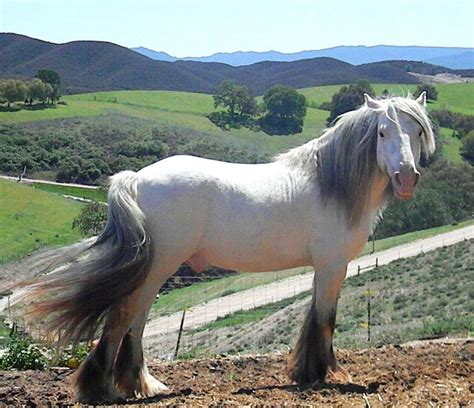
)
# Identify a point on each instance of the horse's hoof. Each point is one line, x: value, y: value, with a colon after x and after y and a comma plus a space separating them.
x: 150, y: 386
x: 339, y: 374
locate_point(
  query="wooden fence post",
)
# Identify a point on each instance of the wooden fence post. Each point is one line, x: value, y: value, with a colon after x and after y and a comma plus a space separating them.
x: 368, y: 314
x: 179, y: 335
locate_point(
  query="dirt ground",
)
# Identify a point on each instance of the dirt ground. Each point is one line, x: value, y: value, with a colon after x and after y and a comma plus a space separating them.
x: 417, y: 374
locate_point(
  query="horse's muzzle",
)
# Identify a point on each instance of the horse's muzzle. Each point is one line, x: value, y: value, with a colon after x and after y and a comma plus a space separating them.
x: 404, y: 182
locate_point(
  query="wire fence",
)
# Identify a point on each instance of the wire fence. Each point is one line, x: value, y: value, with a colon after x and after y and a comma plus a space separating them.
x: 243, y: 320
x: 262, y: 312
x: 220, y: 323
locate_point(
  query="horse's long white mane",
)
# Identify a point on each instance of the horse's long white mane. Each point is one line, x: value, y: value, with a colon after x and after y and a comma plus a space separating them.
x: 344, y: 159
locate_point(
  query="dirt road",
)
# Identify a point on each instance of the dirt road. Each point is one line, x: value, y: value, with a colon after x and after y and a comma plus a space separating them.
x: 54, y: 183
x: 260, y: 295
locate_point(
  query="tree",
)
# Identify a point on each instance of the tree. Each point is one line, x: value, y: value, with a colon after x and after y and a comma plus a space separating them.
x: 239, y: 103
x: 461, y: 123
x: 431, y: 92
x: 13, y: 91
x: 445, y: 195
x: 48, y: 76
x: 49, y: 92
x: 92, y: 218
x: 284, y: 109
x: 365, y: 85
x: 467, y: 149
x: 348, y: 98
x: 36, y: 90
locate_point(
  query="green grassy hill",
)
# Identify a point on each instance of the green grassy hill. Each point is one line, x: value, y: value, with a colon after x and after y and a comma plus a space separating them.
x: 456, y: 97
x: 31, y: 219
x: 140, y: 112
x: 451, y: 146
x: 157, y: 105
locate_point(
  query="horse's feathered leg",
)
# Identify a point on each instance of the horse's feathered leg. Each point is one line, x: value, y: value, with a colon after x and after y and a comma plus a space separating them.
x: 119, y: 351
x: 131, y: 374
x: 313, y: 354
x: 94, y: 379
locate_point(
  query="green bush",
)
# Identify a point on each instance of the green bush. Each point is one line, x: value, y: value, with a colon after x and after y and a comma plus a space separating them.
x: 77, y: 352
x: 22, y: 354
x: 91, y: 221
x: 445, y: 196
x: 443, y: 327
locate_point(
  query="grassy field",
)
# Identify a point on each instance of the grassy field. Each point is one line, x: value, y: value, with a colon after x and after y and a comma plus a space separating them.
x: 31, y: 219
x: 212, y: 288
x: 427, y: 296
x: 188, y: 110
x: 182, y: 109
x: 455, y: 97
x: 387, y: 243
x: 451, y: 146
x: 86, y: 193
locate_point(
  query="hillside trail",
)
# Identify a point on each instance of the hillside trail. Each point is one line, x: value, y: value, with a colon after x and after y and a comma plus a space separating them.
x: 53, y: 183
x: 210, y: 311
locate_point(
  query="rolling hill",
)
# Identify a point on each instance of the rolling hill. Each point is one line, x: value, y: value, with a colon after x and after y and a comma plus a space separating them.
x: 33, y: 219
x: 450, y: 57
x: 460, y: 60
x: 86, y: 66
x: 112, y: 131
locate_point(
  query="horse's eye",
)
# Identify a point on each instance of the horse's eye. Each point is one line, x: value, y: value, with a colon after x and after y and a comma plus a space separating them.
x: 420, y: 134
x: 381, y: 134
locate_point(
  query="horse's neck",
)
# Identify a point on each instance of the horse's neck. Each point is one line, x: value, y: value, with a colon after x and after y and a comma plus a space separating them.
x: 376, y: 198
x: 377, y: 192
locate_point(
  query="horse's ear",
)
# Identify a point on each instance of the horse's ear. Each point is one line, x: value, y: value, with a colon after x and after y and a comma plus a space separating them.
x: 422, y: 99
x: 370, y: 102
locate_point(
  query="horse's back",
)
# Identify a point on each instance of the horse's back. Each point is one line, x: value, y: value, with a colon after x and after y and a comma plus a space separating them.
x: 234, y: 215
x: 179, y: 177
x: 191, y: 169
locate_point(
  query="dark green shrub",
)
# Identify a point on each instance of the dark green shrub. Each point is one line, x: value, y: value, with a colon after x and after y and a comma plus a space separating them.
x: 91, y: 221
x: 22, y: 354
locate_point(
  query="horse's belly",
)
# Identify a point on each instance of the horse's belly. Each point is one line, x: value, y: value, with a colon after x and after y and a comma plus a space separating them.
x: 256, y: 258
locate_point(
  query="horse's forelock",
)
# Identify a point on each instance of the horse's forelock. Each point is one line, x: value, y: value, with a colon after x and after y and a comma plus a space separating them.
x: 416, y: 111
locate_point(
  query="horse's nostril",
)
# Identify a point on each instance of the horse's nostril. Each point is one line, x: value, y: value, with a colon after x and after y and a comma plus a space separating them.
x: 417, y: 178
x: 397, y: 177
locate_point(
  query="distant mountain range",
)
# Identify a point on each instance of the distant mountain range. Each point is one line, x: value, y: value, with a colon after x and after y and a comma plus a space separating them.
x: 450, y: 57
x: 86, y: 66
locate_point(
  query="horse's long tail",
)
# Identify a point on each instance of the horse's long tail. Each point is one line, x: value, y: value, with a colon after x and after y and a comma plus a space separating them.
x: 74, y: 300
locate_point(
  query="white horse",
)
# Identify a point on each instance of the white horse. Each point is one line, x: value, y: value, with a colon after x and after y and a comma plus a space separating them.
x: 315, y: 205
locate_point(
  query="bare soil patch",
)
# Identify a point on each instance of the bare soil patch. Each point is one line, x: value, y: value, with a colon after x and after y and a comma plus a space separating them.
x: 421, y: 373
x: 443, y: 78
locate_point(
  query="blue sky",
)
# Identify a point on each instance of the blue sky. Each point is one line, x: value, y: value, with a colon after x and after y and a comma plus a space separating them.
x: 197, y: 28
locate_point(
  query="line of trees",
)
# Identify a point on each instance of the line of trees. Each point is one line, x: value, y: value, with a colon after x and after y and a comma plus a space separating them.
x: 44, y: 88
x: 281, y: 113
